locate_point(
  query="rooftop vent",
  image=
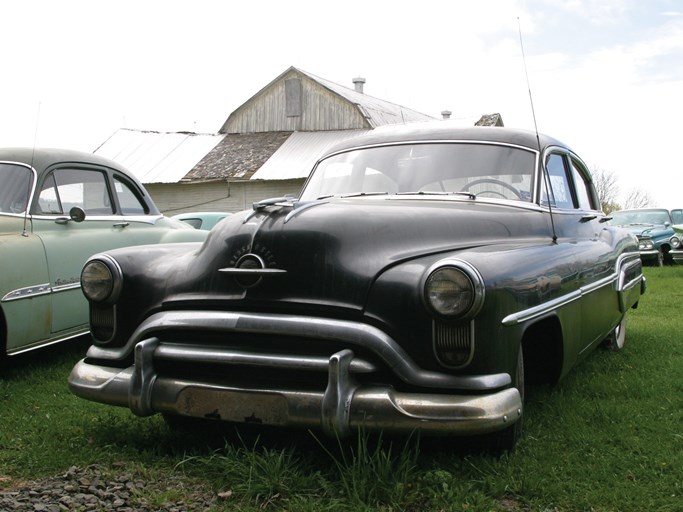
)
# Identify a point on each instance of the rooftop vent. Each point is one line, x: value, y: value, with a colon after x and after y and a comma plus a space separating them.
x: 358, y: 84
x: 446, y: 114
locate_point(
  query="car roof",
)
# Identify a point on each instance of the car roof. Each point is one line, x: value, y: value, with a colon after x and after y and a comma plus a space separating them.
x: 42, y: 158
x: 445, y: 131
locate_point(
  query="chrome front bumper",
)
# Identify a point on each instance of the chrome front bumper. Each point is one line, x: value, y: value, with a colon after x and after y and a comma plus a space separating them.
x: 344, y: 406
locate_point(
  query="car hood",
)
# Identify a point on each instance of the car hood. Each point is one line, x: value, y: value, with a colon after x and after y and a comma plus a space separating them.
x: 333, y: 251
x: 648, y: 230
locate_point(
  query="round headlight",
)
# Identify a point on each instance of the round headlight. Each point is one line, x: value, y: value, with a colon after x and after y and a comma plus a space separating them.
x: 646, y: 245
x: 98, y: 281
x: 453, y: 291
x: 675, y: 242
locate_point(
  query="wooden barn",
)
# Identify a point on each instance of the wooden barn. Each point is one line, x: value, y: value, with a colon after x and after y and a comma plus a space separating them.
x: 266, y: 148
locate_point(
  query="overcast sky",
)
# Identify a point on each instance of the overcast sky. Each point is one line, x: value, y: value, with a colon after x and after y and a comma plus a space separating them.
x: 606, y: 76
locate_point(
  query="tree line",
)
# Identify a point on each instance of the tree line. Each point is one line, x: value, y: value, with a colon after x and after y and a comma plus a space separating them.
x: 607, y: 186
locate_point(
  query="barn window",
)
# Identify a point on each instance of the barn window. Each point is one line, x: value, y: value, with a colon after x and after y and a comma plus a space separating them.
x: 293, y: 97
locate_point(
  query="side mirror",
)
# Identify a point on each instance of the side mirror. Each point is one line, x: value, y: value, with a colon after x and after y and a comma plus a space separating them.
x: 77, y: 214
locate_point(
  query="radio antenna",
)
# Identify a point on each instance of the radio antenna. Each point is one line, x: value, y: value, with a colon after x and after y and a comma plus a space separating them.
x: 538, y: 138
x: 28, y: 192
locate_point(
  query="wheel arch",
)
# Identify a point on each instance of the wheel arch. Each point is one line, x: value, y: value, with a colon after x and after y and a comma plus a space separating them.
x: 543, y: 347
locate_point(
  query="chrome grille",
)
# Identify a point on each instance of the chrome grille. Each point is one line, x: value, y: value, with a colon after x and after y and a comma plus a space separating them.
x: 453, y: 343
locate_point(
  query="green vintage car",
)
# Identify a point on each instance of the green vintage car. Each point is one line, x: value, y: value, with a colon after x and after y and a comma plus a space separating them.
x: 58, y: 208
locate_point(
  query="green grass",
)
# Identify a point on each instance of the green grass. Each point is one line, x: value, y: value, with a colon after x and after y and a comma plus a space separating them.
x: 609, y: 437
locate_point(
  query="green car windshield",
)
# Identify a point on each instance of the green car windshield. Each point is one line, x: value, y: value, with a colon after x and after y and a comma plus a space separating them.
x: 15, y: 182
x: 474, y: 169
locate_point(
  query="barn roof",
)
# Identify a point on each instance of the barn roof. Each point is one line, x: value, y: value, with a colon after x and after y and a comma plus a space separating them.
x: 238, y: 156
x: 295, y: 158
x: 158, y: 157
x: 378, y: 112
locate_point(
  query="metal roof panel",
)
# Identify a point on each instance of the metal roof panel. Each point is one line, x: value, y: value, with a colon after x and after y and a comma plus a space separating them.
x: 158, y: 157
x: 297, y: 155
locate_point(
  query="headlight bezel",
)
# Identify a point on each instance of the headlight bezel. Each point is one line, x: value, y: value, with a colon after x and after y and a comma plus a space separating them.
x: 450, y: 270
x: 108, y: 288
x: 675, y: 242
x: 646, y: 244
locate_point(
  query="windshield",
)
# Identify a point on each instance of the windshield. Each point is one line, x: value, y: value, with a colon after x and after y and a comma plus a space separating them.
x: 15, y: 181
x: 630, y: 218
x: 482, y: 170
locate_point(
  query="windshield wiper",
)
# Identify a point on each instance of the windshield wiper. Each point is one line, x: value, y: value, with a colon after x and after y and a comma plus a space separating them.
x: 437, y: 193
x: 352, y: 194
x: 362, y: 194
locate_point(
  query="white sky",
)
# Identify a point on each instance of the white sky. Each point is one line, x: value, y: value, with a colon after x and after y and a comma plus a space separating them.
x: 606, y: 75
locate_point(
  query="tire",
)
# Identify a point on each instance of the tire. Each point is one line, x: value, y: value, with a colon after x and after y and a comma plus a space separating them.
x: 616, y: 339
x: 506, y: 440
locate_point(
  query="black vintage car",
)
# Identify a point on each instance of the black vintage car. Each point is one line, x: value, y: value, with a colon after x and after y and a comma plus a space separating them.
x: 422, y: 276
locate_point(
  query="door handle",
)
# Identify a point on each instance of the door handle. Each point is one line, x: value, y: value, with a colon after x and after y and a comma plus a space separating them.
x: 121, y: 224
x: 588, y: 218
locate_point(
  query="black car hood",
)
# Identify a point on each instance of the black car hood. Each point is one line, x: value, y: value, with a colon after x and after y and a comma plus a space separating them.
x: 329, y: 253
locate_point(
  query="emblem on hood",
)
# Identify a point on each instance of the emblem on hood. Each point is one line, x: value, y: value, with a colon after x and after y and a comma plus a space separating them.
x: 250, y: 269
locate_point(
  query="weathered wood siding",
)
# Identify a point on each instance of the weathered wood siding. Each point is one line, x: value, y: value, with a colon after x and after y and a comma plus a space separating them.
x: 320, y: 109
x: 174, y: 198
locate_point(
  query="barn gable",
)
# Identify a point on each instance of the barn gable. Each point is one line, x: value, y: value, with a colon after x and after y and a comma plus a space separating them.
x: 299, y: 101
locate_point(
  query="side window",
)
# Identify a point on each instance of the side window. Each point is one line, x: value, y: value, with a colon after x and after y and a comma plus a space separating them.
x: 65, y: 188
x: 584, y: 193
x: 560, y: 184
x: 677, y: 216
x: 129, y: 201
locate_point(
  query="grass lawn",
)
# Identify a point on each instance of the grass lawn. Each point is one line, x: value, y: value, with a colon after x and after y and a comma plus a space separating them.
x: 608, y: 438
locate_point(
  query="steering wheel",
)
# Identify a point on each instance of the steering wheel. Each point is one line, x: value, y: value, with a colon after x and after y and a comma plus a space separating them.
x: 492, y: 181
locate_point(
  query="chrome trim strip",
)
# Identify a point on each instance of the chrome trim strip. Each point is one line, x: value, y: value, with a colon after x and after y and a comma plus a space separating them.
x: 252, y: 271
x: 589, y: 288
x: 41, y: 344
x: 176, y: 352
x: 306, y: 327
x: 27, y: 292
x: 542, y: 309
x: 66, y: 287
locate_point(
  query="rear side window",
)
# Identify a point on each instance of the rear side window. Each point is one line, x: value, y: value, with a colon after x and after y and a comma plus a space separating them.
x: 569, y: 185
x: 584, y: 189
x: 129, y: 201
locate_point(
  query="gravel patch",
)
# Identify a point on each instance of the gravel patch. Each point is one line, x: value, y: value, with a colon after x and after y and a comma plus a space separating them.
x: 95, y: 489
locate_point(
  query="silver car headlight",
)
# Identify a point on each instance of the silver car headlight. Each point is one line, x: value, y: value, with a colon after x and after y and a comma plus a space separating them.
x: 675, y: 242
x: 454, y: 289
x: 646, y: 245
x: 101, y: 279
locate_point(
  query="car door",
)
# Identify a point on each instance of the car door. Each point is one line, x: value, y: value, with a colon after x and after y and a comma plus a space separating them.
x: 68, y: 243
x: 579, y: 222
